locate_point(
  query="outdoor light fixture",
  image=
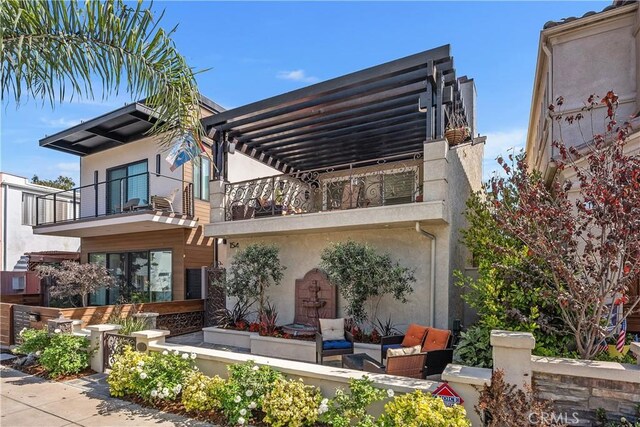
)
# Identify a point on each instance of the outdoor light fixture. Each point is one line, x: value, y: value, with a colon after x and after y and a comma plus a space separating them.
x: 231, y: 148
x: 34, y: 317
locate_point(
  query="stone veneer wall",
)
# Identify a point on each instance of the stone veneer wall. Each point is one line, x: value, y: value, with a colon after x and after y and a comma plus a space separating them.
x: 583, y: 396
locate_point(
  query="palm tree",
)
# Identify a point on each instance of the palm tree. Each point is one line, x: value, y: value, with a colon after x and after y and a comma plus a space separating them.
x: 54, y: 51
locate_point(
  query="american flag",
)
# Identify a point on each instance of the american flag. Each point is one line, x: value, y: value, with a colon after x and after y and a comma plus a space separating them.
x: 622, y: 335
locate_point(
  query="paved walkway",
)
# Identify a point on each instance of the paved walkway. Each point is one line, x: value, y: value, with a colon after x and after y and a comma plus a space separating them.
x: 31, y: 401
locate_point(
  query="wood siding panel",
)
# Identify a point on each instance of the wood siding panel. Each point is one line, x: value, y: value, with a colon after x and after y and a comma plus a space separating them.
x: 97, y: 315
x: 166, y: 239
x: 199, y: 248
x: 6, y: 324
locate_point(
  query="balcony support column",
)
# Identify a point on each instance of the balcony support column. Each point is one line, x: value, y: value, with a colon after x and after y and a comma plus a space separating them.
x: 216, y: 197
x: 435, y: 183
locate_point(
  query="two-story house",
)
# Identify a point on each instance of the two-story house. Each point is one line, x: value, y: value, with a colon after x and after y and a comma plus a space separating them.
x: 132, y: 211
x: 577, y: 57
x: 360, y: 157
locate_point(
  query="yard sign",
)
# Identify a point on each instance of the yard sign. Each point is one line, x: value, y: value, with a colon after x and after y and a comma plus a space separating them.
x: 448, y: 395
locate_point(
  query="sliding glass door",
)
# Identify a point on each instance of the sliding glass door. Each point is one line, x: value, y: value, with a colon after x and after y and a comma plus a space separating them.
x: 127, y: 186
x: 143, y: 276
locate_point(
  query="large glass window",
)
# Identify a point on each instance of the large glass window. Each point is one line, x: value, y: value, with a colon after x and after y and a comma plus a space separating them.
x: 127, y: 185
x: 201, y: 176
x: 143, y: 276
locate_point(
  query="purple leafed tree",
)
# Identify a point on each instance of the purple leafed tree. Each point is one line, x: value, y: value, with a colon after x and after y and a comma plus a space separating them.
x: 72, y: 278
x: 586, y: 226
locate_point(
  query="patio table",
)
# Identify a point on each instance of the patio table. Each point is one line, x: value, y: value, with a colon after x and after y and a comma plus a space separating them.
x: 356, y: 361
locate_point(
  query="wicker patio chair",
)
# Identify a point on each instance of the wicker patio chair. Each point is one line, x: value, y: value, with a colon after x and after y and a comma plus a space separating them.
x: 407, y: 365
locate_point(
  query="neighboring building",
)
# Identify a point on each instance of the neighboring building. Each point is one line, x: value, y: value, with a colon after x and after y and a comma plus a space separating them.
x: 595, y: 53
x: 18, y: 214
x: 135, y: 215
x: 361, y: 157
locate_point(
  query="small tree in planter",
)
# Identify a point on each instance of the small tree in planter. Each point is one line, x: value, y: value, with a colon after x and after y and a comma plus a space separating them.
x: 364, y: 276
x: 252, y: 271
x: 74, y: 279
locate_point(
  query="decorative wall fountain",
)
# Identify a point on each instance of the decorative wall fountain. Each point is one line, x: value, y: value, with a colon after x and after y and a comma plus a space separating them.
x: 315, y: 298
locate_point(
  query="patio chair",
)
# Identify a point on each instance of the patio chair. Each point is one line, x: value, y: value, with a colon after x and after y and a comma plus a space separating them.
x: 164, y: 202
x: 129, y: 206
x: 406, y: 365
x: 335, y: 341
x: 436, y: 344
x: 350, y: 195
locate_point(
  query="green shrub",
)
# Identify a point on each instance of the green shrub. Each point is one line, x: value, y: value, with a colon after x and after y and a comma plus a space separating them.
x: 129, y: 324
x: 347, y: 409
x: 422, y: 410
x: 245, y: 390
x: 150, y: 376
x: 66, y: 354
x: 291, y: 403
x: 474, y: 347
x: 33, y: 341
x: 202, y: 393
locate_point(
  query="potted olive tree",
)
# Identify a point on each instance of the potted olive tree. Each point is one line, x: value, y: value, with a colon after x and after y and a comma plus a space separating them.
x: 363, y: 277
x: 252, y: 271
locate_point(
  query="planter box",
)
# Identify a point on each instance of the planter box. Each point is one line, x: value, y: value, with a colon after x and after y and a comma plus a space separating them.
x: 304, y: 351
x: 230, y: 337
x: 373, y: 350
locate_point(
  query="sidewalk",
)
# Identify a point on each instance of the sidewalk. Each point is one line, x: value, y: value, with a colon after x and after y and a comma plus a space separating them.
x: 31, y: 401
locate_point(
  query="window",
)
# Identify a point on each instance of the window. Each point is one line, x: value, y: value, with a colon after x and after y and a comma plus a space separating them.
x: 28, y: 209
x: 127, y: 183
x: 142, y: 276
x: 201, y: 176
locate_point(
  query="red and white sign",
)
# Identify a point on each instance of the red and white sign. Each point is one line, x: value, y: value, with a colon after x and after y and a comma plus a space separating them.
x: 448, y: 395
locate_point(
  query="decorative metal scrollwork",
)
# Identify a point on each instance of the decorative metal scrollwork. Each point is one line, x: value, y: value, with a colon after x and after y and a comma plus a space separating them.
x: 379, y: 182
x: 181, y: 323
x: 114, y: 344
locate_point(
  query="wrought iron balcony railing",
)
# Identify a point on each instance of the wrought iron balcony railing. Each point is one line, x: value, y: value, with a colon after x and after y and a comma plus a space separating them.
x: 134, y: 193
x: 387, y: 181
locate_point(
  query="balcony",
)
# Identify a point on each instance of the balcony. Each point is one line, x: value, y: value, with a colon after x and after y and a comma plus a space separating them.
x: 383, y: 192
x: 135, y: 203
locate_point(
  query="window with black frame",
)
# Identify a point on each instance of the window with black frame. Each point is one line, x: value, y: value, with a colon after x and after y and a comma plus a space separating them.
x: 201, y: 177
x: 141, y: 276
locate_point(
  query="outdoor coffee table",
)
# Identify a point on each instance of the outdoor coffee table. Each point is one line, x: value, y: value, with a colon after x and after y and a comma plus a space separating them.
x: 356, y: 361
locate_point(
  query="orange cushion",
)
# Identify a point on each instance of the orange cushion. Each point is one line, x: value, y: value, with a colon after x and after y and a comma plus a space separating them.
x: 436, y: 339
x: 414, y: 336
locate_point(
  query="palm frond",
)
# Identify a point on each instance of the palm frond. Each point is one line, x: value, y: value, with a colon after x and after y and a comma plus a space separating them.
x: 54, y: 51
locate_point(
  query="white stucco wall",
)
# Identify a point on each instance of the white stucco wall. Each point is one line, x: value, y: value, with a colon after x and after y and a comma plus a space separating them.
x: 19, y: 238
x: 243, y: 167
x: 301, y: 253
x: 144, y: 149
x: 588, y: 56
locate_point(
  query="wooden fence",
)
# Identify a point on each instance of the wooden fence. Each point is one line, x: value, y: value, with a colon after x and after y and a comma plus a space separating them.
x: 179, y: 317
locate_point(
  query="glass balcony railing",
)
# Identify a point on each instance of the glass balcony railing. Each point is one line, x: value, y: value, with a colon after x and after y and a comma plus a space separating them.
x: 140, y: 192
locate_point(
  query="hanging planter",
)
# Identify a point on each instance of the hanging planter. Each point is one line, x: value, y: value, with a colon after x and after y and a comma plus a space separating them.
x: 457, y: 135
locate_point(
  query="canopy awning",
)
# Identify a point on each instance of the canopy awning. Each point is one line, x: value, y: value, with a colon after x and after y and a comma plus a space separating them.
x: 386, y: 110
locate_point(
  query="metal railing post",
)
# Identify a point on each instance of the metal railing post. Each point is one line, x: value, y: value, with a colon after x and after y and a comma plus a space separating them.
x: 74, y: 204
x: 55, y: 217
x: 273, y: 195
x: 37, y: 210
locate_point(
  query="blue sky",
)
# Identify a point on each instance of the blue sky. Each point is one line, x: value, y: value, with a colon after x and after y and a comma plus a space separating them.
x: 256, y: 50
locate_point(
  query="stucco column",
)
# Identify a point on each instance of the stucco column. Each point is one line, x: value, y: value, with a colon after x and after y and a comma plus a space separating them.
x: 512, y: 354
x: 97, y: 341
x: 151, y: 336
x: 216, y: 196
x: 435, y: 186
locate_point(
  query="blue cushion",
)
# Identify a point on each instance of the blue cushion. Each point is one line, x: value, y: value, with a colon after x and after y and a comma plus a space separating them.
x: 336, y: 344
x: 388, y: 346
